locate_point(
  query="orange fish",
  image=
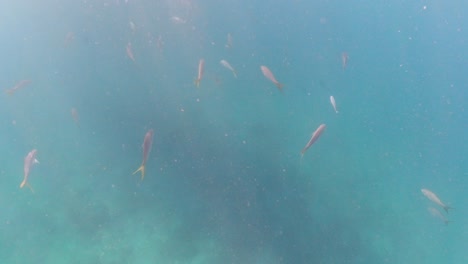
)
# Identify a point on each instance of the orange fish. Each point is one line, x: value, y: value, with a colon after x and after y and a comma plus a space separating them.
x: 269, y: 75
x: 147, y: 143
x: 130, y: 52
x: 18, y: 86
x: 344, y: 59
x: 201, y: 70
x: 29, y: 160
x: 314, y: 138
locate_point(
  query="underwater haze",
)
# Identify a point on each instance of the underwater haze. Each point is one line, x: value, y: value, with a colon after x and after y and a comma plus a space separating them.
x: 228, y: 176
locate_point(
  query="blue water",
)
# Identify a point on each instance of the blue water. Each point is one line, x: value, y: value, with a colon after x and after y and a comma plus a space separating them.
x: 225, y: 181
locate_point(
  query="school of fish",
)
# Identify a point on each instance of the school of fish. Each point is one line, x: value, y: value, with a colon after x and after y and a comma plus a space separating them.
x: 30, y: 158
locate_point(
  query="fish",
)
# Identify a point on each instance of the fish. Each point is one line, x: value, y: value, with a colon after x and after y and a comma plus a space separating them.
x: 201, y: 69
x: 344, y: 60
x: 269, y: 75
x: 147, y: 143
x: 69, y: 38
x: 18, y: 86
x: 229, y: 41
x: 431, y: 196
x: 229, y: 67
x: 75, y: 116
x: 132, y: 26
x: 333, y: 103
x: 178, y: 20
x: 130, y: 52
x: 160, y: 43
x: 314, y: 138
x: 436, y: 213
x: 29, y: 161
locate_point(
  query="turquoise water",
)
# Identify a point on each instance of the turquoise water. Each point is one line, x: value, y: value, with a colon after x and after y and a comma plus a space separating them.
x: 225, y: 181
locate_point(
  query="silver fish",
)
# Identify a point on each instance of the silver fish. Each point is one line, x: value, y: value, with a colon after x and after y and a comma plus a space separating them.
x: 333, y: 103
x: 314, y: 138
x: 431, y: 196
x: 436, y: 213
x: 229, y: 67
x: 29, y: 160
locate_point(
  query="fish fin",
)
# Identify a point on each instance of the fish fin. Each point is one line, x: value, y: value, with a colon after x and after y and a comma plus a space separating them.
x: 142, y: 169
x: 36, y: 161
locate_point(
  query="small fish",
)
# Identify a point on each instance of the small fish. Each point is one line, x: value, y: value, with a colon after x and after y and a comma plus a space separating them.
x: 132, y: 26
x: 344, y: 59
x: 229, y: 67
x: 333, y: 103
x: 160, y: 43
x: 147, y: 143
x: 269, y: 75
x: 313, y: 138
x: 69, y: 38
x: 436, y: 213
x: 431, y: 196
x: 201, y: 70
x: 178, y: 20
x: 75, y: 116
x: 18, y: 86
x: 130, y: 52
x: 229, y: 41
x: 29, y: 160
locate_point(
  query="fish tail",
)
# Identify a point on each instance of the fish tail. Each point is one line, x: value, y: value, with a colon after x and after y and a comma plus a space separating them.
x: 142, y: 169
x: 235, y: 73
x: 280, y: 86
x: 9, y: 91
x: 303, y: 152
x: 197, y: 82
x: 23, y: 183
x: 446, y: 208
